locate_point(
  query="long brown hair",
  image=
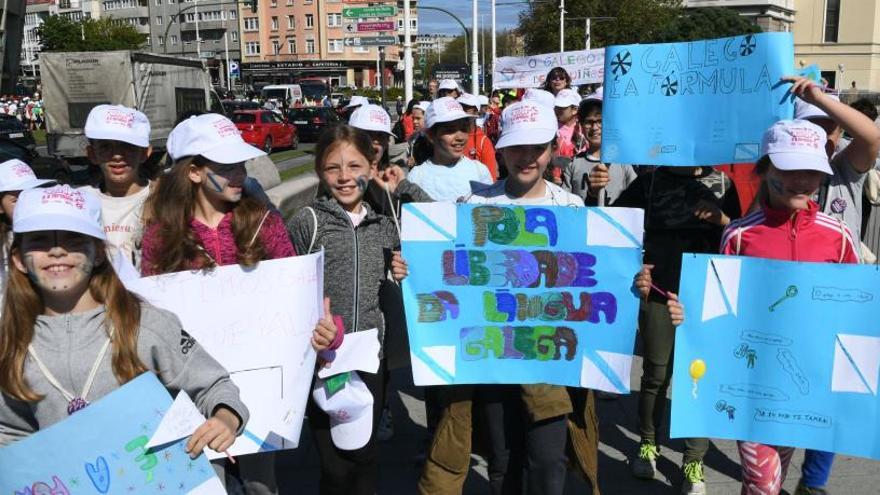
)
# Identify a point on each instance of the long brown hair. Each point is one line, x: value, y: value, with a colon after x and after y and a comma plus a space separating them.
x: 23, y: 303
x: 172, y: 208
x: 335, y: 135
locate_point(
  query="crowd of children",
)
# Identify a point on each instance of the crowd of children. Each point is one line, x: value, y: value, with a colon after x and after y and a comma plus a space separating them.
x: 64, y: 253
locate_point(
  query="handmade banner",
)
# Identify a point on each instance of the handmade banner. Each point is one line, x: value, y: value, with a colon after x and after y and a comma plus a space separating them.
x: 257, y: 322
x: 696, y: 103
x: 778, y: 352
x: 101, y: 449
x: 584, y: 67
x: 521, y: 294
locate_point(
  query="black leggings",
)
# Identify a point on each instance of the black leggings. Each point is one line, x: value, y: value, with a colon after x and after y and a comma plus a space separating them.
x: 349, y: 472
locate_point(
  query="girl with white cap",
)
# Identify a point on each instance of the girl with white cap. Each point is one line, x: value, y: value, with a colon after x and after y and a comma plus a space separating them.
x: 448, y: 174
x: 71, y: 332
x: 790, y: 226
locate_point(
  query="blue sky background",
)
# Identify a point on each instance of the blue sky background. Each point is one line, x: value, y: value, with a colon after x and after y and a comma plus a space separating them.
x: 430, y: 22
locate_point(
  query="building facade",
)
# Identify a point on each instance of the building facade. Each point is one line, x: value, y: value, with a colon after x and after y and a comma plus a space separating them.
x: 432, y: 43
x: 769, y: 15
x: 286, y: 40
x: 843, y: 38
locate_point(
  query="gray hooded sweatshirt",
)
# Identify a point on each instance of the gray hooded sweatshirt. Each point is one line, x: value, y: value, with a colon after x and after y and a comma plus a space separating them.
x: 69, y: 344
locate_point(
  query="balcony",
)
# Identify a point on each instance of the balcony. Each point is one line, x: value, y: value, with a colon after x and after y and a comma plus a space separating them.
x: 204, y: 25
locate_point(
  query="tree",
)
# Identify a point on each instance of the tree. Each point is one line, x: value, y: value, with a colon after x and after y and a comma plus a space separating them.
x: 634, y: 21
x: 60, y: 34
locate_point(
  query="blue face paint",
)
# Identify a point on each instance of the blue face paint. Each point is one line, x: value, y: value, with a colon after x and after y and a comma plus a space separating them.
x: 362, y: 183
x: 217, y: 186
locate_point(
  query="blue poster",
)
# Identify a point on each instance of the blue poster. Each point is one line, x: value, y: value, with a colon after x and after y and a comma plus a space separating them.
x: 695, y: 103
x: 100, y: 450
x: 778, y: 352
x: 521, y: 294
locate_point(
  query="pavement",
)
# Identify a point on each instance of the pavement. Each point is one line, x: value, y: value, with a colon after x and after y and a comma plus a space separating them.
x: 298, y: 470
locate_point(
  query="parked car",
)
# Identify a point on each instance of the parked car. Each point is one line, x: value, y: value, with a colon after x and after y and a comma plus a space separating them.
x: 265, y: 129
x: 232, y: 106
x: 310, y: 121
x: 13, y: 129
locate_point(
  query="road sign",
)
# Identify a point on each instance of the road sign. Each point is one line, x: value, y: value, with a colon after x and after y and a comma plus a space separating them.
x: 375, y: 11
x: 371, y: 41
x: 207, y: 54
x: 366, y: 27
x: 423, y: 61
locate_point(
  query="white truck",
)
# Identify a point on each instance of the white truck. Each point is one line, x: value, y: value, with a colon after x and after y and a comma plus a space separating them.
x: 162, y: 87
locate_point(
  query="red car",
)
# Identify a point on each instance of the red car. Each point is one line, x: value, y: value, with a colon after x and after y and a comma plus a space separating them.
x: 265, y: 129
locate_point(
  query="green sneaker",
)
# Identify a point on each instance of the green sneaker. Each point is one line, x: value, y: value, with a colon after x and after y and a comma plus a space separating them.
x: 644, y: 465
x: 694, y: 482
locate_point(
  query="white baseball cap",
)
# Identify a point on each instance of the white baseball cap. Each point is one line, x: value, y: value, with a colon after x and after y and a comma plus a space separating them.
x: 527, y: 122
x: 371, y: 118
x: 213, y: 136
x: 445, y: 109
x: 484, y: 100
x: 16, y: 175
x: 448, y: 84
x: 598, y: 95
x: 806, y: 111
x: 545, y: 98
x: 58, y: 208
x: 350, y: 410
x: 469, y: 100
x: 796, y: 145
x: 567, y: 98
x: 118, y: 123
x: 357, y: 101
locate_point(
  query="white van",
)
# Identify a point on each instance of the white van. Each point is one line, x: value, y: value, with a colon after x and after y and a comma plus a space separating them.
x: 283, y: 92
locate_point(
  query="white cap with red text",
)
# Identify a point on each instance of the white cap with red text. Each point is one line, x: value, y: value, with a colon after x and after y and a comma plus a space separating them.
x: 350, y: 410
x: 527, y: 122
x: 567, y: 98
x: 796, y: 145
x: 448, y: 84
x: 545, y: 98
x: 58, y: 208
x: 212, y: 136
x: 371, y: 118
x: 16, y: 175
x: 118, y: 123
x: 807, y: 111
x: 445, y: 109
x: 467, y: 99
x: 357, y: 101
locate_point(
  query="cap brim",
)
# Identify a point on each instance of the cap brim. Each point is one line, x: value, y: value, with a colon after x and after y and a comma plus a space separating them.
x: 28, y: 184
x: 233, y: 152
x: 353, y: 434
x: 800, y: 161
x: 125, y: 138
x: 522, y: 137
x: 37, y: 223
x: 451, y: 118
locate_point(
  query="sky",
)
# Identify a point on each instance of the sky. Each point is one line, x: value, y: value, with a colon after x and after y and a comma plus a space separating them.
x: 432, y: 21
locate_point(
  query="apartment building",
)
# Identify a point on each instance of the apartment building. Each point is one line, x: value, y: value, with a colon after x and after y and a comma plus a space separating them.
x: 290, y: 39
x: 432, y: 43
x: 36, y: 11
x: 769, y: 15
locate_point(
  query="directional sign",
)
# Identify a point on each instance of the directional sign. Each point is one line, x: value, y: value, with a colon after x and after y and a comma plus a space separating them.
x: 423, y: 61
x: 375, y: 11
x: 362, y: 27
x: 371, y: 41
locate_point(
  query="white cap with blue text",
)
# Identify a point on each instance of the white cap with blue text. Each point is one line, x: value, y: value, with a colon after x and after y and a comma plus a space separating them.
x: 58, y: 208
x: 527, y: 122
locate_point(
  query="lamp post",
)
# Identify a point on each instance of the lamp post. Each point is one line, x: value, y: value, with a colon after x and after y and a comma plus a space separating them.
x: 475, y: 78
x: 407, y: 53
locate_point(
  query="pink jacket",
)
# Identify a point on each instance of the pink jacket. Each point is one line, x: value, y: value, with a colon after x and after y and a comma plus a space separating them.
x: 219, y: 243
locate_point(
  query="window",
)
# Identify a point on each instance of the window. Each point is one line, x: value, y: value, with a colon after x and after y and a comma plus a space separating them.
x: 252, y: 48
x: 172, y: 39
x: 234, y: 36
x: 334, y: 20
x: 289, y: 2
x: 832, y: 20
x: 335, y: 46
x: 161, y: 40
x: 310, y: 21
x: 361, y: 49
x: 251, y: 24
x: 158, y: 20
x: 276, y: 47
x: 291, y: 22
x: 170, y: 19
x: 291, y: 45
x: 190, y: 17
x: 274, y: 23
x: 232, y: 15
x: 310, y: 46
x: 158, y: 2
x: 273, y: 3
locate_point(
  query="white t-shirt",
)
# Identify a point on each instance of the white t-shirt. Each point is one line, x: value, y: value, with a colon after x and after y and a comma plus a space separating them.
x: 448, y: 183
x: 123, y: 222
x: 553, y: 196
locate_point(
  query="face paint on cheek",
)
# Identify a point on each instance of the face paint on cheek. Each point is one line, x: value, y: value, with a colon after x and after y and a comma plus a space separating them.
x: 362, y: 183
x: 31, y: 269
x: 213, y: 179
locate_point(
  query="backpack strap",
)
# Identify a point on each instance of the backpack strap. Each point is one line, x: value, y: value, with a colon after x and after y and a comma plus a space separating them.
x: 259, y: 228
x: 739, y: 236
x: 314, y: 229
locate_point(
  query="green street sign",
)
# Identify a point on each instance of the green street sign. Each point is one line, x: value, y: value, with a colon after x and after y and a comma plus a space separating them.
x: 423, y: 61
x: 375, y: 11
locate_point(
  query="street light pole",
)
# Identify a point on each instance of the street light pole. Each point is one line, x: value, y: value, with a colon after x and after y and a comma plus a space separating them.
x: 587, y: 31
x: 475, y: 78
x: 198, y: 37
x: 407, y: 54
x: 561, y: 26
x: 494, y: 54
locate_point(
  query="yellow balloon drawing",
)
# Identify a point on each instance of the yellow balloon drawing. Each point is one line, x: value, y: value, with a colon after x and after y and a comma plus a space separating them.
x: 697, y: 370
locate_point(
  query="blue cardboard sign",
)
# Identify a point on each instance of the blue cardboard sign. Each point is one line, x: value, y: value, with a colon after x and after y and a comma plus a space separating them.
x: 521, y: 294
x: 101, y: 449
x: 778, y: 352
x: 695, y: 103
